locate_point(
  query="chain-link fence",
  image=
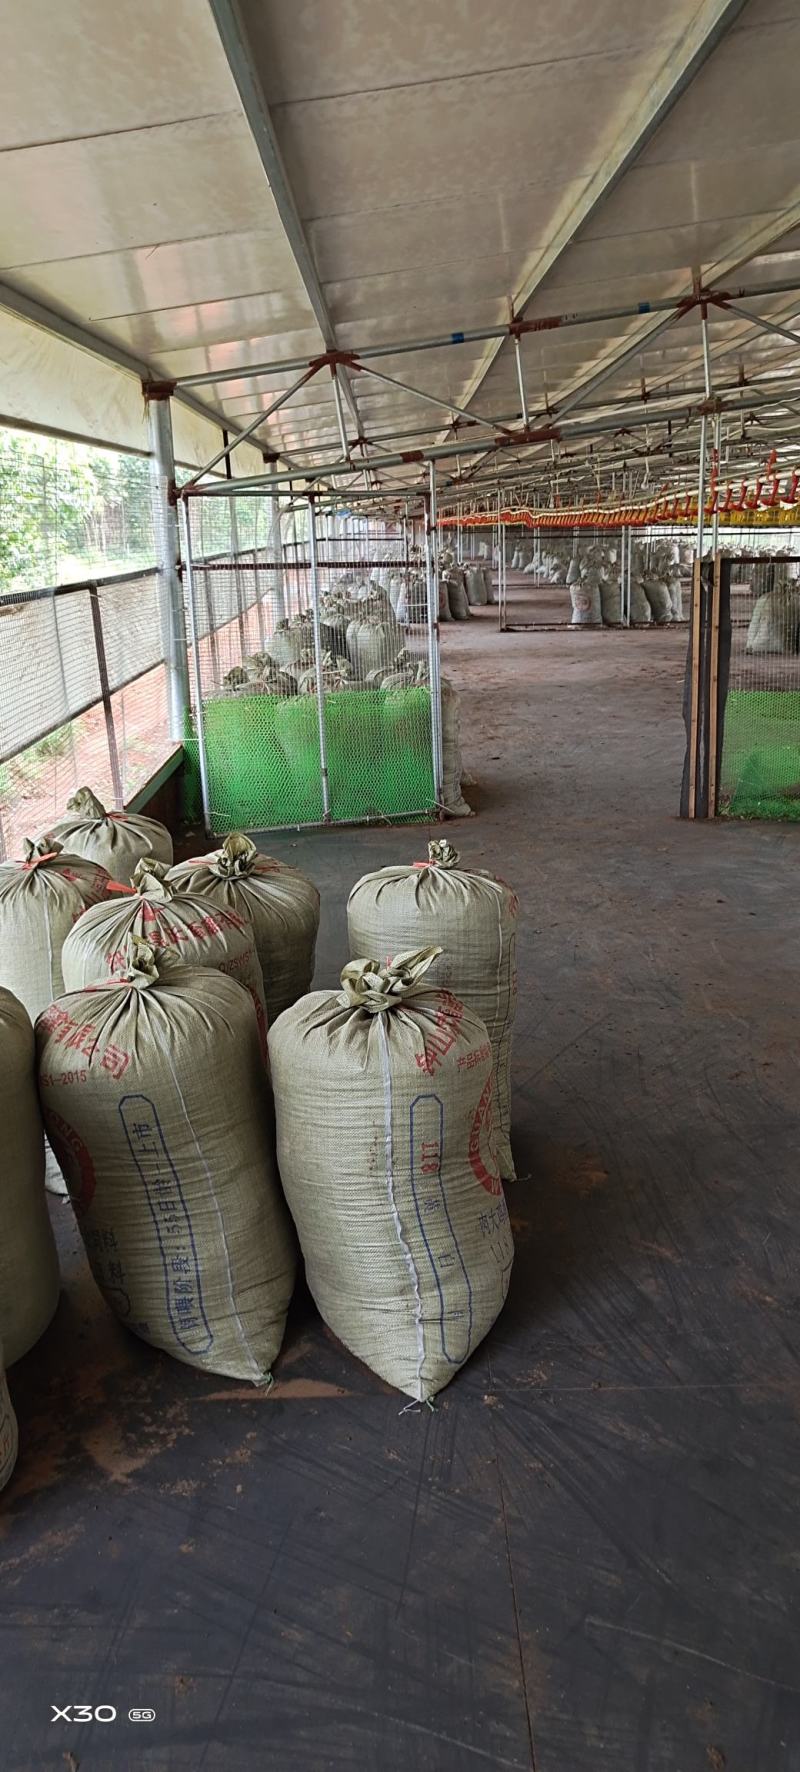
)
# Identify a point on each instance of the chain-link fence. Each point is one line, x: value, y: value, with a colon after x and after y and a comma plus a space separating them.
x: 311, y: 668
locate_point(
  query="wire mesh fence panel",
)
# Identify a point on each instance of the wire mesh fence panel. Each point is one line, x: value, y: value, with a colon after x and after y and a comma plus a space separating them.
x: 760, y: 761
x: 82, y: 698
x: 313, y: 709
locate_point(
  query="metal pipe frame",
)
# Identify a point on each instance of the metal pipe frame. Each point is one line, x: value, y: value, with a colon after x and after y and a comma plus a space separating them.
x: 483, y: 334
x: 225, y: 453
x: 447, y: 451
x: 165, y: 525
x: 434, y: 672
x: 315, y: 621
x: 191, y: 604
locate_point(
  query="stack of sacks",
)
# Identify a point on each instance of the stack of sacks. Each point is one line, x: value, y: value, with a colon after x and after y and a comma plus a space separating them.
x: 182, y: 925
x: 471, y: 916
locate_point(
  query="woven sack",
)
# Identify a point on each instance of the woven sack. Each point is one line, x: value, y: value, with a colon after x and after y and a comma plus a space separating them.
x: 472, y: 917
x: 657, y: 594
x: 457, y: 597
x: 9, y: 1437
x: 373, y: 642
x: 28, y: 1259
x: 40, y: 899
x: 182, y: 925
x: 384, y: 1115
x: 587, y: 609
x: 452, y: 768
x: 774, y: 622
x: 281, y: 903
x: 155, y: 1099
x: 115, y: 840
x: 475, y: 584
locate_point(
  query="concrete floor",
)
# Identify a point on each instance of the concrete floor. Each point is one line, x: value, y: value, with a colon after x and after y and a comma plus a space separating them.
x: 586, y: 1559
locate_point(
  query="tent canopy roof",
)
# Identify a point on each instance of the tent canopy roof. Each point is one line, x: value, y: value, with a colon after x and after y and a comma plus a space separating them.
x: 209, y: 186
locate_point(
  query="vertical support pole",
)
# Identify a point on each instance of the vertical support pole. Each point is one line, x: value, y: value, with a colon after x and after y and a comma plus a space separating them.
x: 694, y: 690
x: 165, y: 526
x: 701, y: 477
x: 713, y: 691
x: 237, y: 573
x: 523, y: 401
x: 323, y: 736
x: 715, y: 518
x: 191, y: 604
x: 274, y: 552
x: 105, y: 696
x: 434, y: 672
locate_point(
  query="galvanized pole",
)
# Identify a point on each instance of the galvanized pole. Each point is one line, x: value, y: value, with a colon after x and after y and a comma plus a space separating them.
x: 191, y: 604
x: 165, y: 527
x: 701, y: 478
x: 715, y: 517
x: 434, y: 672
x: 323, y: 737
x: 521, y: 382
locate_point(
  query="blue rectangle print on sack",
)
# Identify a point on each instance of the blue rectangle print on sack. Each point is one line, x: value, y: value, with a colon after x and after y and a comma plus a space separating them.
x: 433, y: 1218
x: 173, y: 1225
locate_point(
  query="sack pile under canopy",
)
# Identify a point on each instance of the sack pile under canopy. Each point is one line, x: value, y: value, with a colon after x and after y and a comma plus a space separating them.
x: 281, y: 903
x: 183, y: 926
x: 471, y: 917
x: 115, y: 840
x: 155, y: 1099
x: 383, y: 1096
x: 28, y: 1259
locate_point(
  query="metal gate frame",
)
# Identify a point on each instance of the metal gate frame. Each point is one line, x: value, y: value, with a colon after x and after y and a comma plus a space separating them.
x: 315, y: 505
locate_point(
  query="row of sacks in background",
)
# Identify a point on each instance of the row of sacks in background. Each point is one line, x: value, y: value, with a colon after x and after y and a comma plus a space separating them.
x: 463, y: 588
x: 155, y: 1094
x: 659, y: 571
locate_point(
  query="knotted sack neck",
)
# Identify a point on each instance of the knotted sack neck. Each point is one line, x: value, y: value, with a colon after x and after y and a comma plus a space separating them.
x: 367, y: 984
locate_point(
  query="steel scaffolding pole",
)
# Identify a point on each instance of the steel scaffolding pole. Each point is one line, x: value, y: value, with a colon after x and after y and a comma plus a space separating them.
x: 191, y: 603
x: 315, y: 620
x: 227, y: 449
x: 483, y: 334
x: 434, y: 673
x: 165, y: 525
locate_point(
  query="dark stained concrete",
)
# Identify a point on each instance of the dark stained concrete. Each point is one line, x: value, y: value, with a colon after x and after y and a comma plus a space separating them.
x: 586, y: 1560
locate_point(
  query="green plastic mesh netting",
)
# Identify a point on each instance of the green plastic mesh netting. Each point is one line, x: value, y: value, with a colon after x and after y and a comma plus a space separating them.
x: 264, y: 758
x: 760, y: 769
